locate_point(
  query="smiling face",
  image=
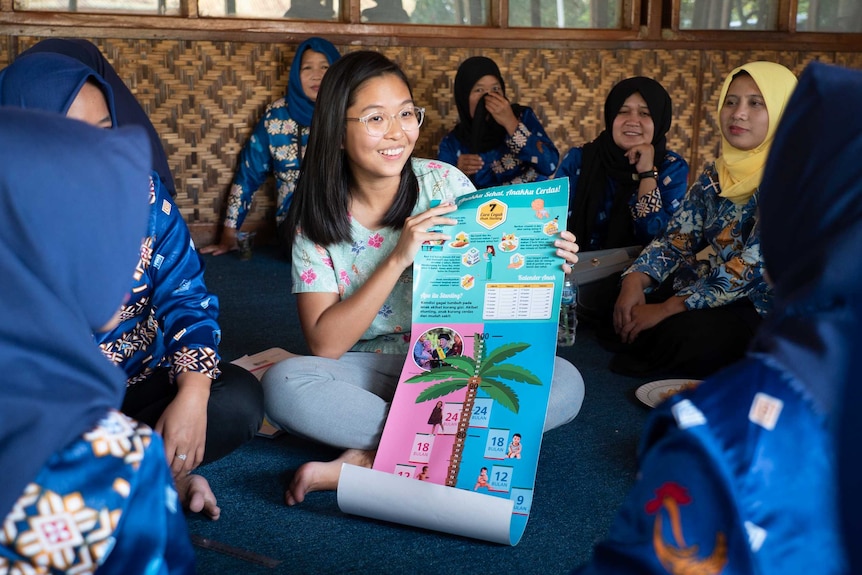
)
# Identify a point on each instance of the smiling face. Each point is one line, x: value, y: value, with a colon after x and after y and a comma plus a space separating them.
x: 744, y: 117
x: 485, y: 84
x: 372, y: 158
x: 90, y: 106
x: 312, y: 67
x: 633, y: 124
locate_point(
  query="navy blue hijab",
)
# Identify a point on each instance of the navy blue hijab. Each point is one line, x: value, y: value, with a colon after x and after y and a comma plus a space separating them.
x: 49, y: 82
x: 128, y: 110
x: 811, y: 236
x: 299, y: 106
x: 73, y: 211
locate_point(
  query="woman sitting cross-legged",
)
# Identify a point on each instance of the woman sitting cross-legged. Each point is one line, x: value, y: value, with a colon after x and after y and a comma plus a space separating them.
x: 679, y: 315
x: 361, y: 213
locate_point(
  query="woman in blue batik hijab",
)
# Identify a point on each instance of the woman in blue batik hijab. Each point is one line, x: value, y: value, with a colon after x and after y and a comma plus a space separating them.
x: 167, y: 341
x: 739, y: 475
x: 83, y: 485
x: 277, y: 144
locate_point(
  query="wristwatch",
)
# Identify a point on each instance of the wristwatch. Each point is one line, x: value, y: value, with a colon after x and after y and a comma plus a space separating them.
x: 653, y: 173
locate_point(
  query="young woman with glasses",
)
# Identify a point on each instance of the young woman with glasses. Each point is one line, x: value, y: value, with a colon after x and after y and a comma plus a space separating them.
x: 362, y: 209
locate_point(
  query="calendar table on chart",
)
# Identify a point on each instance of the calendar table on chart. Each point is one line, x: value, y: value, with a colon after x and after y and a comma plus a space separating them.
x: 519, y: 301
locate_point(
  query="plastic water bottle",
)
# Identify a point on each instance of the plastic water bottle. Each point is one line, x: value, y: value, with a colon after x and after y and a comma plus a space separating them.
x: 568, y: 313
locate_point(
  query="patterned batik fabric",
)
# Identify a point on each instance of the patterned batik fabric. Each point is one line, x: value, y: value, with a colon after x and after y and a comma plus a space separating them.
x: 107, y: 501
x: 733, y: 271
x: 650, y: 214
x: 276, y: 146
x: 647, y: 204
x: 170, y: 318
x: 528, y: 155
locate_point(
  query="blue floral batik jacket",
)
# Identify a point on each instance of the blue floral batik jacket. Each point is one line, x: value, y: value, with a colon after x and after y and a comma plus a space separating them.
x: 170, y: 320
x: 528, y: 155
x: 649, y: 215
x: 705, y: 219
x: 276, y: 146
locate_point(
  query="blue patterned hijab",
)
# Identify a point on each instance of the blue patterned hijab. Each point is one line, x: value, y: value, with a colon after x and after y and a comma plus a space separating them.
x: 299, y: 106
x: 73, y: 211
x: 811, y: 234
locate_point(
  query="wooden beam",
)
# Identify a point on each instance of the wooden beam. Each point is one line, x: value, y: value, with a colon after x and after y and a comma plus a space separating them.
x: 190, y: 26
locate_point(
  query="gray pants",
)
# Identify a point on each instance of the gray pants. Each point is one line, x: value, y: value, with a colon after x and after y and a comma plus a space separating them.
x: 344, y: 402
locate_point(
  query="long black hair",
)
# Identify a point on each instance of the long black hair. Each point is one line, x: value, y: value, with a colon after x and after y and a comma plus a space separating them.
x: 322, y: 197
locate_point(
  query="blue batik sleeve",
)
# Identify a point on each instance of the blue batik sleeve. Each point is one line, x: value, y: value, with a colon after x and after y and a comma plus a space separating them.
x: 184, y: 307
x: 672, y: 185
x: 532, y: 145
x: 739, y: 277
x: 253, y: 167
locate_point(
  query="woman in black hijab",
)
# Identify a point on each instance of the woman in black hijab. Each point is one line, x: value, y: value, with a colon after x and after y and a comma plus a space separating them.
x: 495, y: 142
x: 625, y: 183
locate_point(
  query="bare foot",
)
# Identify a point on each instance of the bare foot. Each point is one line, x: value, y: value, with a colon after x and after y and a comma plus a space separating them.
x: 196, y: 495
x: 323, y: 475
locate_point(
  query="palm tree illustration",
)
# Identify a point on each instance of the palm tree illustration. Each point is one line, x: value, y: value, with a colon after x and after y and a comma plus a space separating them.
x: 482, y: 372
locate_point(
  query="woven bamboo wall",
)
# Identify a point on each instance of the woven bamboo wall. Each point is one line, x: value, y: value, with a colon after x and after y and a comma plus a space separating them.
x: 205, y: 97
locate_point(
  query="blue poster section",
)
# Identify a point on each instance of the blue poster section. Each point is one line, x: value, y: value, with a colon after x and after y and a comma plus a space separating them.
x: 470, y: 406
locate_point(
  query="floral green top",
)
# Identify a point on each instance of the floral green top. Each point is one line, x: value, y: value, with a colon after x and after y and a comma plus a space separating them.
x: 342, y: 268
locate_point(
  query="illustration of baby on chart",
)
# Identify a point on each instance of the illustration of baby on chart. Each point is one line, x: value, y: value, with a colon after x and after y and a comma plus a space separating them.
x: 538, y: 206
x: 515, y: 447
x: 482, y: 480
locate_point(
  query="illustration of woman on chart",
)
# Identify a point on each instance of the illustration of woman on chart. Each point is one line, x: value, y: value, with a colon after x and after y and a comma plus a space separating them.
x: 490, y: 254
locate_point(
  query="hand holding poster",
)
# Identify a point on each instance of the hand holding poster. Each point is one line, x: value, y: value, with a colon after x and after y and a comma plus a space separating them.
x: 470, y: 406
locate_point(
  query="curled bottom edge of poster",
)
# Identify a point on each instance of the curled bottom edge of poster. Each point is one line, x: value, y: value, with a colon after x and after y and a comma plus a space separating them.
x: 388, y: 497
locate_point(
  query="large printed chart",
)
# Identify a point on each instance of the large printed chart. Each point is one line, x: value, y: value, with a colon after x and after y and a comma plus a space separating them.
x: 461, y: 444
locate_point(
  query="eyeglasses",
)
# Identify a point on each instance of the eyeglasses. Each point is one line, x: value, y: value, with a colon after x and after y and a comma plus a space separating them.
x: 378, y: 124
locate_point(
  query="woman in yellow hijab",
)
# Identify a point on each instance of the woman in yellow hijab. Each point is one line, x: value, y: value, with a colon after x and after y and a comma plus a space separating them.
x: 725, y: 296
x: 740, y: 168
